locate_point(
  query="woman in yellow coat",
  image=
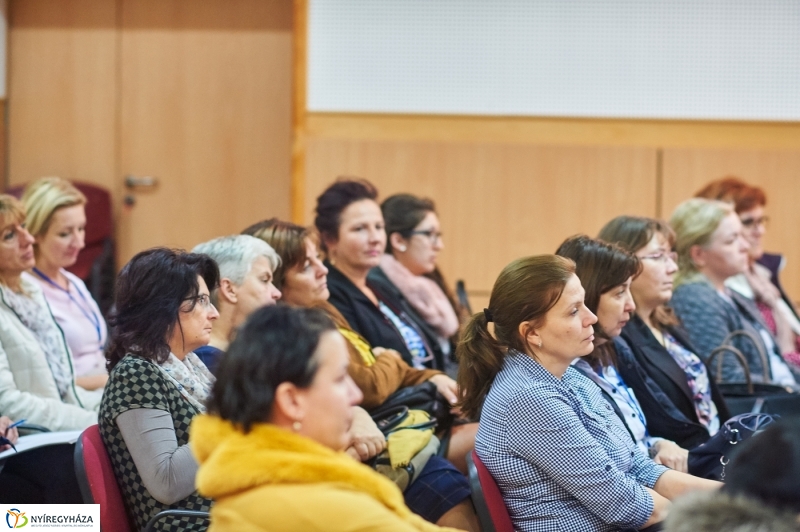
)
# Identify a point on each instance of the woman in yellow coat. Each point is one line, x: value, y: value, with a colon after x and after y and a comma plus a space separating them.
x: 270, y: 447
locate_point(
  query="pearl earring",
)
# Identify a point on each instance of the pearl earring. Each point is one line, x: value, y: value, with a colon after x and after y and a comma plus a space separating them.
x: 401, y: 248
x: 296, y: 426
x: 540, y: 343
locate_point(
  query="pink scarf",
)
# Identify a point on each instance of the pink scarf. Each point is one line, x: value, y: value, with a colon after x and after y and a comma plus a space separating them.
x: 425, y: 296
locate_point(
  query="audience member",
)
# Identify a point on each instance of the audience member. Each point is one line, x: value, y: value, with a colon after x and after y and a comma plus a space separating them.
x: 278, y: 415
x: 351, y: 227
x: 37, y: 382
x: 414, y: 239
x: 679, y: 399
x: 246, y: 265
x: 761, y: 493
x: 561, y: 457
x: 57, y: 220
x: 156, y: 383
x: 759, y: 282
x: 711, y: 249
x: 440, y: 492
x: 605, y: 272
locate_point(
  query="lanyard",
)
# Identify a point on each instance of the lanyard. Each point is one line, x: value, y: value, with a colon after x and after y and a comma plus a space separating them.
x: 89, y: 314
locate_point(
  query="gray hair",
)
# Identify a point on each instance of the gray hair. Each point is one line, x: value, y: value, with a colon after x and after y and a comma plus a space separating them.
x: 235, y: 255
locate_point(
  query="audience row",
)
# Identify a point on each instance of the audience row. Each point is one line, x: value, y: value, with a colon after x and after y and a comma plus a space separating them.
x: 582, y: 387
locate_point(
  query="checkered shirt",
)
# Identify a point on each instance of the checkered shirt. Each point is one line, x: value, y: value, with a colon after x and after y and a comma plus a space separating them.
x: 560, y: 455
x: 138, y: 383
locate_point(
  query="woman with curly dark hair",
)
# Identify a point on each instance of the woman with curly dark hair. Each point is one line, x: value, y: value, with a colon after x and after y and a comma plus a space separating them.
x: 156, y: 383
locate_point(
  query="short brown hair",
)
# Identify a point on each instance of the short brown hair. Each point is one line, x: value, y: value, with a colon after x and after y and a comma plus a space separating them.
x: 632, y: 233
x: 334, y: 200
x: 287, y: 239
x: 525, y: 291
x: 730, y: 189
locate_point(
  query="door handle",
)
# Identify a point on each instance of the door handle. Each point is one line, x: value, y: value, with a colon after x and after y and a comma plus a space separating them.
x: 146, y: 181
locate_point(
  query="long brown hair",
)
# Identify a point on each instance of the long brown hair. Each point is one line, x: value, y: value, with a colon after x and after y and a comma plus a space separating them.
x: 525, y: 291
x: 601, y: 267
x: 632, y: 233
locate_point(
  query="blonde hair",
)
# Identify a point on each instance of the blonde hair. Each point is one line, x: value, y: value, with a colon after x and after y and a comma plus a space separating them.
x: 44, y: 197
x: 11, y: 212
x: 694, y: 221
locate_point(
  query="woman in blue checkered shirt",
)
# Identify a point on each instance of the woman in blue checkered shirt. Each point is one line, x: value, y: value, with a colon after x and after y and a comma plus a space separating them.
x: 560, y: 455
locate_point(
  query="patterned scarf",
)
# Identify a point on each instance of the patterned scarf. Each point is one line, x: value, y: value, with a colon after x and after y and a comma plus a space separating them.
x: 192, y: 378
x: 39, y: 321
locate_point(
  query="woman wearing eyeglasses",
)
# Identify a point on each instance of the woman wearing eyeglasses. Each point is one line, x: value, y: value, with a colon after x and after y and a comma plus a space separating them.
x: 414, y: 240
x: 759, y: 282
x: 156, y: 383
x: 678, y: 399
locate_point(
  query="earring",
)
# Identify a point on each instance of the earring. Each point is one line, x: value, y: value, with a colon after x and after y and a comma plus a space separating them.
x: 540, y: 344
x: 401, y: 248
x: 296, y: 426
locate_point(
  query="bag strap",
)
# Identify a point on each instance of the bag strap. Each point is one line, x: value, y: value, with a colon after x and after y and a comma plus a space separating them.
x: 742, y: 360
x: 750, y: 336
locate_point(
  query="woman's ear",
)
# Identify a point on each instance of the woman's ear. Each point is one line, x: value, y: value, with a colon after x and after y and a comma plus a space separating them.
x: 288, y: 405
x: 227, y: 291
x: 398, y: 242
x: 530, y: 335
x: 698, y: 255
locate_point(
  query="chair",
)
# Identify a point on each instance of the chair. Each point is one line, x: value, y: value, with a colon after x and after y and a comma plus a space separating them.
x: 486, y: 497
x: 98, y: 485
x: 463, y: 298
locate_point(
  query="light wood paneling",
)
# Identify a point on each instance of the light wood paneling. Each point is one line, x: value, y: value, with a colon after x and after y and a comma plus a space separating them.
x: 62, y: 93
x: 777, y: 172
x: 205, y: 107
x: 497, y: 201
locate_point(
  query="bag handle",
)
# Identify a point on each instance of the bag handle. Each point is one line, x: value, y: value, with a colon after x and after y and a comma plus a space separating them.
x: 742, y: 360
x: 750, y: 336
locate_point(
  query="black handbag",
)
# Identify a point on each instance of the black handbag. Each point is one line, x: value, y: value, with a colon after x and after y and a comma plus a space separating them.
x: 709, y: 459
x: 754, y: 397
x: 424, y: 397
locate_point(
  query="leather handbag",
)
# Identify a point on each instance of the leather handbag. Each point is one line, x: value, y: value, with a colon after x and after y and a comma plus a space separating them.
x: 754, y: 397
x: 424, y: 397
x: 709, y: 459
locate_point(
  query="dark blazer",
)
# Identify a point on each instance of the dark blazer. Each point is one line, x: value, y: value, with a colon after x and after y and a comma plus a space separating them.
x: 660, y: 384
x: 367, y: 320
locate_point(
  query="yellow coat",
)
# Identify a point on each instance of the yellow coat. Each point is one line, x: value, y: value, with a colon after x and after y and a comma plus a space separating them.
x: 272, y: 479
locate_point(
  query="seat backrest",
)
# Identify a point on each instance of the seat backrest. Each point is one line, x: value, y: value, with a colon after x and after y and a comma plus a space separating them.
x: 487, y: 498
x: 97, y: 481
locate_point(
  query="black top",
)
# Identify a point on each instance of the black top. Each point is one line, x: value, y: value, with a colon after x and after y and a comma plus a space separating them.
x: 660, y: 385
x: 367, y: 320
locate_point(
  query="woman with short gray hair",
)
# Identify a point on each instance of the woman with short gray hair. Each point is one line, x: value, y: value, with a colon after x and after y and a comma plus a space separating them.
x: 246, y: 265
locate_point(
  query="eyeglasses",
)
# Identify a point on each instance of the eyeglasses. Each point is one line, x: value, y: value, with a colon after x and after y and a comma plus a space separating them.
x: 430, y: 234
x: 750, y: 223
x: 203, y: 300
x: 662, y: 256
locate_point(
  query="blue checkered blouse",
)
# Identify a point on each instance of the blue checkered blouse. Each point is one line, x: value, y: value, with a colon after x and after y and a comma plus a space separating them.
x: 559, y: 453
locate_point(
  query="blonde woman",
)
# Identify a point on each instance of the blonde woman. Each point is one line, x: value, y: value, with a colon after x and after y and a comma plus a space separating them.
x: 711, y: 248
x: 56, y: 219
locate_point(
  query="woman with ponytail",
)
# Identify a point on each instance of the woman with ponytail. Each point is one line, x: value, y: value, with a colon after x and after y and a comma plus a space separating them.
x: 560, y: 455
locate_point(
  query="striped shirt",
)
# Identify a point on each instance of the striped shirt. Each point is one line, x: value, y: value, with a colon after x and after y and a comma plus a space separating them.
x: 559, y: 453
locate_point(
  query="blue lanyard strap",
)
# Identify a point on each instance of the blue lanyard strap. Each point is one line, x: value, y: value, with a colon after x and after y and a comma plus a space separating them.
x: 87, y: 311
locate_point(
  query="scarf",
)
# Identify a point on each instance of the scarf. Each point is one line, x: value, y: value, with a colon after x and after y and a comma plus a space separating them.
x: 40, y: 322
x: 232, y: 462
x: 192, y: 378
x: 425, y: 296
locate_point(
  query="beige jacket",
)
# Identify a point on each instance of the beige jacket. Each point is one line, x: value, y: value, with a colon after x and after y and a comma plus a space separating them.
x: 27, y: 387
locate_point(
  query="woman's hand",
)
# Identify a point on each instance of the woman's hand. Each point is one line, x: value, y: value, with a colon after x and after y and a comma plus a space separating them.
x: 447, y: 387
x: 10, y: 434
x: 673, y: 456
x: 366, y: 439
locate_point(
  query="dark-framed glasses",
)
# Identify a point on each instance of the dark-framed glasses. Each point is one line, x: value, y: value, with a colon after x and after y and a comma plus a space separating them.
x: 204, y: 300
x: 750, y: 223
x: 430, y: 234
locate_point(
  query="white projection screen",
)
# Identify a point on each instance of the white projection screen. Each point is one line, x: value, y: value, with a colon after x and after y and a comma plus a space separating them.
x: 660, y: 59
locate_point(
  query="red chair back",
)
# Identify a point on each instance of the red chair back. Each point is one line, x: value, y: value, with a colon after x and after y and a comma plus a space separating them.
x: 487, y: 498
x: 97, y: 481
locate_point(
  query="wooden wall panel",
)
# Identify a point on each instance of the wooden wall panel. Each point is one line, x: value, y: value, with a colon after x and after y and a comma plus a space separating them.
x: 62, y: 92
x: 777, y: 172
x: 497, y: 201
x: 205, y: 107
